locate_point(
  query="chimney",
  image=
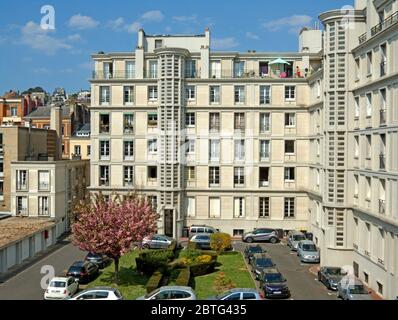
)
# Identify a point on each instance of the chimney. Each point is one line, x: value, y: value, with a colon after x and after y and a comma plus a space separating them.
x: 56, y: 124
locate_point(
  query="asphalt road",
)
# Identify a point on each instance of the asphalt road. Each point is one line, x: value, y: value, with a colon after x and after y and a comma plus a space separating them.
x: 26, y: 285
x: 302, y: 283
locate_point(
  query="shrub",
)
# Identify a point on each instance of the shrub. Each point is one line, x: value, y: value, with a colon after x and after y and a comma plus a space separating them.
x: 149, y: 261
x: 184, y: 277
x: 154, y: 281
x: 200, y: 269
x: 191, y: 254
x: 223, y: 283
x: 204, y: 258
x: 192, y: 245
x: 220, y: 242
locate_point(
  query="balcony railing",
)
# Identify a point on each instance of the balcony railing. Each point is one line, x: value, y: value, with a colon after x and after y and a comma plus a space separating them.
x: 382, y: 206
x: 385, y: 24
x: 383, y: 116
x: 382, y: 161
x: 362, y: 38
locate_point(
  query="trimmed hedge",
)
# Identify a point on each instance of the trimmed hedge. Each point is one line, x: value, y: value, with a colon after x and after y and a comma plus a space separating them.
x: 200, y: 269
x: 154, y: 281
x: 149, y: 261
x: 183, y: 277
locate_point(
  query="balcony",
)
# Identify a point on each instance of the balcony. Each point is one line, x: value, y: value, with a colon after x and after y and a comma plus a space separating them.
x: 382, y: 161
x: 362, y: 38
x: 383, y: 68
x: 383, y: 116
x: 391, y: 20
x: 382, y: 206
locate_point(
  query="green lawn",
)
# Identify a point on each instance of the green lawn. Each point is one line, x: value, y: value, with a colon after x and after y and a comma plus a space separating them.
x: 234, y: 268
x: 131, y: 283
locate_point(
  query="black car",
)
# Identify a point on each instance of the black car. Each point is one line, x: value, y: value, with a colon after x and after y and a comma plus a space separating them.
x: 261, y: 263
x: 250, y: 250
x: 274, y: 284
x: 84, y: 271
x: 331, y: 276
x: 101, y: 260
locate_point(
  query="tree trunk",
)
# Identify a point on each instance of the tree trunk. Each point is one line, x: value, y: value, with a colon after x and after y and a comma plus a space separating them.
x: 116, y: 269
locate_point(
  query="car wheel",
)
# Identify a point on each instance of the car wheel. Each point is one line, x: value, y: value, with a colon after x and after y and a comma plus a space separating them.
x: 249, y: 240
x: 146, y: 246
x: 273, y: 240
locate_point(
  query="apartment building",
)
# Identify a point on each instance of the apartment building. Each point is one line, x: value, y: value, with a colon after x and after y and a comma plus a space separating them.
x: 80, y: 143
x: 354, y: 198
x: 13, y: 107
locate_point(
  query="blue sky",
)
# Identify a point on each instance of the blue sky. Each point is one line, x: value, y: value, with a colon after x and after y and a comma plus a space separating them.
x: 31, y: 56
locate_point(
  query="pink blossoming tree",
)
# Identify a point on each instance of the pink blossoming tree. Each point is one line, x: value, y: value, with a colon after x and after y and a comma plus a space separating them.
x: 111, y: 227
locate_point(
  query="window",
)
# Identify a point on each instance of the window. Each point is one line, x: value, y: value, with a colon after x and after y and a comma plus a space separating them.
x: 357, y: 108
x: 190, y: 145
x: 104, y: 123
x: 264, y: 177
x: 368, y: 188
x: 215, y: 69
x: 44, y: 180
x: 130, y: 69
x: 153, y: 201
x: 239, y: 176
x: 264, y: 69
x: 318, y: 88
x: 263, y: 207
x: 104, y: 176
x: 357, y: 69
x: 191, y: 207
x: 190, y: 93
x: 214, y: 176
x: 152, y: 93
x: 238, y: 232
x: 44, y: 209
x: 214, y: 207
x: 22, y: 179
x: 88, y: 150
x: 264, y: 150
x: 369, y: 63
x: 77, y: 150
x: 289, y: 208
x: 104, y: 95
x: 239, y: 150
x: 379, y: 288
x: 108, y: 70
x: 152, y: 145
x: 368, y: 147
x: 239, y: 69
x: 152, y: 173
x: 290, y: 92
x: 22, y: 206
x: 104, y: 150
x: 128, y: 176
x: 265, y: 97
x: 128, y: 95
x: 190, y: 119
x: 158, y: 43
x: 290, y: 119
x: 129, y: 150
x: 239, y: 94
x: 239, y: 121
x: 239, y: 207
x: 214, y: 150
x: 214, y: 122
x: 368, y: 105
x: 14, y: 111
x: 356, y: 186
x: 191, y: 173
x: 289, y: 174
x: 128, y: 123
x: 153, y: 69
x: 214, y: 94
x: 289, y: 147
x: 190, y: 69
x: 265, y: 125
x: 152, y: 119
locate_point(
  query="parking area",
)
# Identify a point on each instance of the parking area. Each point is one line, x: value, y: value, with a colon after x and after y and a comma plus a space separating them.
x: 303, y: 283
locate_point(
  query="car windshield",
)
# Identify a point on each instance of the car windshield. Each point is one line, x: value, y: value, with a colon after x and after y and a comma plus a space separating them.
x: 334, y: 271
x: 223, y: 295
x: 256, y: 249
x: 358, y: 289
x: 264, y: 263
x: 58, y: 284
x: 298, y: 237
x: 309, y: 247
x: 148, y: 295
x: 75, y: 269
x: 93, y: 255
x: 274, y: 278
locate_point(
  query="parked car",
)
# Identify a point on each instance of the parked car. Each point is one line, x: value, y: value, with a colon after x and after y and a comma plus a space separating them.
x: 61, y: 288
x: 261, y: 263
x: 262, y: 234
x: 293, y: 239
x: 202, y: 240
x: 84, y: 271
x: 170, y: 293
x: 309, y: 235
x: 101, y: 260
x: 157, y: 241
x: 250, y: 250
x: 331, y: 276
x: 195, y: 229
x: 308, y: 252
x: 99, y: 293
x: 351, y: 288
x: 274, y: 284
x: 238, y: 294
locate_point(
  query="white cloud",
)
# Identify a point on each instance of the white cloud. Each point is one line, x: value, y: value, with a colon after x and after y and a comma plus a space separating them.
x: 134, y: 27
x: 82, y: 22
x: 251, y: 35
x: 224, y: 43
x: 41, y: 70
x: 40, y: 39
x: 75, y: 37
x: 117, y: 24
x: 293, y: 23
x: 192, y: 18
x: 154, y: 15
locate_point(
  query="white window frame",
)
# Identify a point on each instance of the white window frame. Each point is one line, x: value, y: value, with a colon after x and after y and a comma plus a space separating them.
x: 292, y: 124
x: 214, y: 150
x: 190, y: 93
x: 239, y: 150
x: 190, y: 119
x: 128, y: 176
x: 105, y: 149
x: 290, y: 93
x: 43, y: 206
x: 131, y: 92
x: 105, y: 95
x: 43, y: 184
x: 239, y: 94
x: 215, y: 95
x: 287, y: 204
x: 153, y: 93
x: 263, y: 149
x: 214, y: 176
x: 369, y: 107
x: 287, y: 175
x: 239, y: 175
x: 129, y: 155
x: 22, y: 179
x: 217, y: 207
x: 265, y: 125
x: 239, y: 207
x: 152, y: 146
x: 264, y: 204
x: 265, y: 95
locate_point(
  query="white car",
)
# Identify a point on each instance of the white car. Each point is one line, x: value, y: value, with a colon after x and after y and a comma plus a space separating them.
x: 99, y: 293
x: 61, y: 288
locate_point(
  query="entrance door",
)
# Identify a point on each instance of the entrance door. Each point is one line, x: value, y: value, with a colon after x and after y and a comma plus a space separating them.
x: 168, y: 222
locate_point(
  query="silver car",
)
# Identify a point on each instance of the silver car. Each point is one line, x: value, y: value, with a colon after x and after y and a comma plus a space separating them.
x: 308, y: 252
x: 201, y: 240
x: 294, y: 238
x: 351, y: 288
x: 170, y: 293
x: 157, y: 241
x: 238, y: 294
x: 261, y: 234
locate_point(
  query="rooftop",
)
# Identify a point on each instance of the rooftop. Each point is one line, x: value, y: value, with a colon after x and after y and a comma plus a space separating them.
x: 45, y: 112
x: 16, y: 228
